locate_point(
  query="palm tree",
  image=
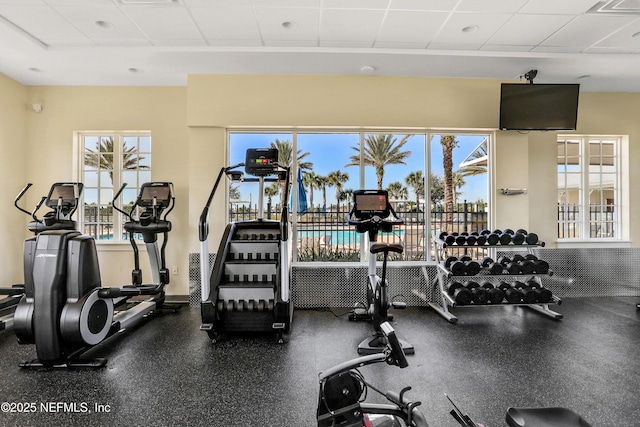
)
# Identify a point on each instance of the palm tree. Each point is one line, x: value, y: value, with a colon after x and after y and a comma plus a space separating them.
x: 415, y: 180
x: 397, y: 191
x: 448, y: 142
x: 309, y: 179
x: 285, y: 159
x: 271, y: 191
x: 321, y: 183
x: 458, y: 183
x: 380, y: 151
x: 102, y: 157
x: 337, y: 178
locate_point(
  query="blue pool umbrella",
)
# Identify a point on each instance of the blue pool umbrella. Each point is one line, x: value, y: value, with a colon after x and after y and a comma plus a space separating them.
x: 302, y: 195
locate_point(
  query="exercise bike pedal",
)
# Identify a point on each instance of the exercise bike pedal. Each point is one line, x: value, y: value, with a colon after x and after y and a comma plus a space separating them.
x: 399, y: 305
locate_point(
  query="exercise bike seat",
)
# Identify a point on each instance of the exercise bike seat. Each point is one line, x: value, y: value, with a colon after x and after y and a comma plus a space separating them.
x: 386, y: 248
x: 544, y: 417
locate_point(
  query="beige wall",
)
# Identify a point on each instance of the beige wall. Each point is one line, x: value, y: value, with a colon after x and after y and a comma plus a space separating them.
x: 50, y: 154
x: 188, y: 126
x: 13, y: 149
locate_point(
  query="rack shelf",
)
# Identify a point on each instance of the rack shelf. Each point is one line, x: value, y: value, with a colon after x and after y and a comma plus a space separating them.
x: 441, y: 301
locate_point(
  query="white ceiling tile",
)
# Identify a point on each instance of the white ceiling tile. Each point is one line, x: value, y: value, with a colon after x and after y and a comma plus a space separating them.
x: 164, y: 23
x: 556, y: 49
x: 218, y: 3
x: 574, y: 7
x: 623, y: 38
x: 500, y: 6
x: 40, y: 21
x: 411, y: 26
x: 350, y: 25
x: 304, y: 23
x: 488, y: 24
x: 586, y: 30
x: 528, y: 29
x: 286, y: 3
x: 355, y: 4
x: 85, y: 18
x: 227, y: 23
x: 433, y: 5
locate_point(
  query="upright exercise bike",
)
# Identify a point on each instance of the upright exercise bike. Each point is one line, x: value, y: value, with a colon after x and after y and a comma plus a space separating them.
x: 370, y: 214
x: 66, y: 311
x: 58, y: 218
x: 343, y: 389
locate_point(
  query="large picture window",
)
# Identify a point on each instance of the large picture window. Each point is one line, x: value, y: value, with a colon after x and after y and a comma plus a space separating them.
x: 414, y: 167
x: 107, y: 161
x: 588, y: 187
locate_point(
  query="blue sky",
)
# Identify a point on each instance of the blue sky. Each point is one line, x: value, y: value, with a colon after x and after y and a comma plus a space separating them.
x: 330, y: 152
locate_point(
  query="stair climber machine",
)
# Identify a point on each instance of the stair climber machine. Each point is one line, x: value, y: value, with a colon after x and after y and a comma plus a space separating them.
x: 66, y: 311
x: 248, y: 289
x: 58, y: 218
x: 372, y: 213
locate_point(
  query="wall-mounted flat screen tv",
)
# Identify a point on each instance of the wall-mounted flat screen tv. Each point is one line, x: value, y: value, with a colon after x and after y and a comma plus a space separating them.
x: 525, y: 106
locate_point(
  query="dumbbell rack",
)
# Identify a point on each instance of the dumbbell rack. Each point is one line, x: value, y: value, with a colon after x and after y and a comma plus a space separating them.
x: 444, y: 274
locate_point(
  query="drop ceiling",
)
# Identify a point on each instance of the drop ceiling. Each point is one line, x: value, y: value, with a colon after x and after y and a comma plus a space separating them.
x: 161, y: 42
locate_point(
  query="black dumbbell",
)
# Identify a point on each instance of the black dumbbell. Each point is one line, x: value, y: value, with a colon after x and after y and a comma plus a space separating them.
x: 459, y: 293
x: 458, y: 268
x: 543, y: 294
x: 471, y: 240
x: 529, y: 238
x: 518, y: 238
x: 504, y: 260
x: 512, y: 294
x: 517, y: 258
x: 494, y: 295
x: 449, y: 261
x: 527, y: 266
x: 531, y: 257
x: 450, y: 239
x: 505, y: 238
x: 529, y: 295
x: 481, y: 240
x: 479, y: 294
x: 496, y: 268
x: 493, y: 239
x: 461, y: 240
x: 513, y: 268
x: 443, y: 235
x: 486, y: 261
x: 485, y: 232
x: 542, y: 267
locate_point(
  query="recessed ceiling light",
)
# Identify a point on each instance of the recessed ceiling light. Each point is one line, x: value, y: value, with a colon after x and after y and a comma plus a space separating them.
x: 134, y: 70
x: 35, y: 69
x: 470, y: 29
x: 634, y: 35
x: 105, y: 24
x: 289, y: 25
x: 584, y: 76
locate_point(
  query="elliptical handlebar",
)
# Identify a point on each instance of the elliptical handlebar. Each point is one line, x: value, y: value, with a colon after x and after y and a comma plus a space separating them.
x: 19, y: 196
x: 113, y: 202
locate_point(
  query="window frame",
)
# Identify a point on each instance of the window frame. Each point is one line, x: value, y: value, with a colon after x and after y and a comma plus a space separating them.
x: 586, y: 142
x: 428, y: 133
x: 118, y: 136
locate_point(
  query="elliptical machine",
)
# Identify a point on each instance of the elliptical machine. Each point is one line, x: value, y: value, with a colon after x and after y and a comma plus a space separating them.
x: 343, y: 389
x: 65, y: 312
x: 372, y: 213
x: 58, y: 218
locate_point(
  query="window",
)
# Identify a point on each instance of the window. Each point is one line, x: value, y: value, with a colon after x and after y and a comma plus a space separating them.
x: 588, y: 187
x: 334, y: 163
x: 107, y: 161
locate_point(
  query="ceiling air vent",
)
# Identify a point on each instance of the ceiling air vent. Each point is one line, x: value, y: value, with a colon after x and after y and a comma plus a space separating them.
x: 617, y: 7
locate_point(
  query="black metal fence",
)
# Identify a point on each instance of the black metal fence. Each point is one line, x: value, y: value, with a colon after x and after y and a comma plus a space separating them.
x: 325, y: 235
x: 601, y: 221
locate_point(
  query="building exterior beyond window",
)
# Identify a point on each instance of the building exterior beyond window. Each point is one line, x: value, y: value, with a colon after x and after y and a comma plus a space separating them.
x: 109, y: 160
x: 588, y: 187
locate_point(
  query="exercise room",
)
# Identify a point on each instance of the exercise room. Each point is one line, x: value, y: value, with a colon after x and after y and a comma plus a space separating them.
x: 318, y: 212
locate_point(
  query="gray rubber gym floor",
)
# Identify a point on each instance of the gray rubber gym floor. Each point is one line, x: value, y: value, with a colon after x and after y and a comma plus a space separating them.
x: 167, y: 372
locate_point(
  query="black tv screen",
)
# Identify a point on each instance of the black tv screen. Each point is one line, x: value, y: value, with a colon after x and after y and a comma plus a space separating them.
x: 538, y: 106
